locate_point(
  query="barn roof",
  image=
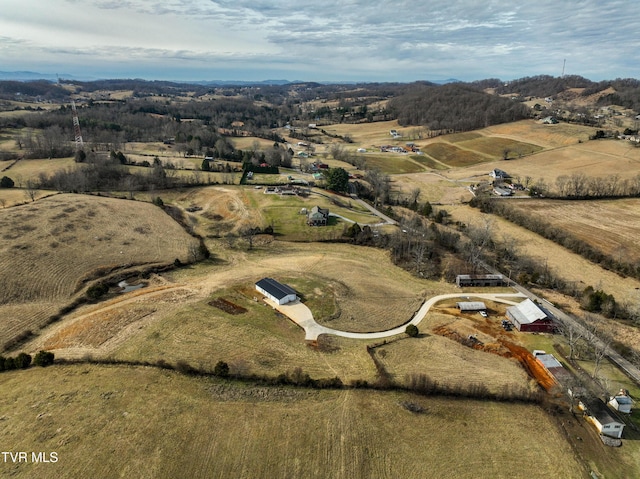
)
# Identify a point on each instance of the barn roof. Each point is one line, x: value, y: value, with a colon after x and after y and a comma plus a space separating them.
x: 598, y: 409
x: 527, y: 312
x: 275, y: 288
x: 471, y: 306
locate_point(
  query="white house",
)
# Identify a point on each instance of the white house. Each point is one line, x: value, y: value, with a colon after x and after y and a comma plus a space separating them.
x: 277, y: 292
x: 598, y: 414
x: 621, y: 402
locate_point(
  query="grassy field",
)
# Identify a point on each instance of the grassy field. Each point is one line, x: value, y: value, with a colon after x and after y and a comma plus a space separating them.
x: 172, y: 320
x: 610, y: 226
x: 495, y: 147
x: 453, y: 156
x: 392, y: 163
x: 209, y: 428
x: 50, y: 246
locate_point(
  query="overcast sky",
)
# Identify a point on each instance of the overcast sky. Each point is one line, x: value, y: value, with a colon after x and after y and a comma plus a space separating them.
x: 321, y: 40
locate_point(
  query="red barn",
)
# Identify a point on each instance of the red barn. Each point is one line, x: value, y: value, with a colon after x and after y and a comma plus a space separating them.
x: 529, y: 317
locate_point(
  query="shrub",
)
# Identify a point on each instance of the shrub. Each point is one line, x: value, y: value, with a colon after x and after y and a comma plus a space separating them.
x: 221, y: 369
x: 6, y: 182
x: 412, y: 330
x: 43, y: 358
x: 22, y: 361
x: 96, y: 291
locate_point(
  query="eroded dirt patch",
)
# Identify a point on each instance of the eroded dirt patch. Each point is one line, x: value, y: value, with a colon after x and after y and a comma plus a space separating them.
x: 227, y: 306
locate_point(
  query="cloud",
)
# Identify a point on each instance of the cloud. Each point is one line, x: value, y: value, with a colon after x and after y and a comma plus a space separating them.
x: 348, y: 39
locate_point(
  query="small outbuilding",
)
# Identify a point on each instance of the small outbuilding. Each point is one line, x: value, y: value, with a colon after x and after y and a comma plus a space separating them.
x: 479, y: 280
x: 277, y: 292
x: 529, y: 317
x: 471, y: 306
x: 621, y: 402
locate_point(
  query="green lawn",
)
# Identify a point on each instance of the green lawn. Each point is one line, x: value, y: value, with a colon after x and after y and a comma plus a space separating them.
x: 452, y: 155
x: 495, y: 147
x: 393, y: 164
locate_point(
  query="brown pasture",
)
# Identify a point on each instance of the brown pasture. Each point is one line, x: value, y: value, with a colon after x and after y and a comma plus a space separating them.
x: 52, y: 245
x: 210, y: 428
x: 609, y: 226
x: 340, y: 285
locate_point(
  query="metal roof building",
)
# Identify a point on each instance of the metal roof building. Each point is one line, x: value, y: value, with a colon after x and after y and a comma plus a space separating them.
x: 276, y: 291
x: 471, y: 306
x: 529, y: 317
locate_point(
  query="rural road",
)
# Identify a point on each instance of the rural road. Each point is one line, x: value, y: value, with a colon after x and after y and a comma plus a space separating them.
x: 302, y: 316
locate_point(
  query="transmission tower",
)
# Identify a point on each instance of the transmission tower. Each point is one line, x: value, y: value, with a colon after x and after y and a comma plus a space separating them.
x: 76, y: 128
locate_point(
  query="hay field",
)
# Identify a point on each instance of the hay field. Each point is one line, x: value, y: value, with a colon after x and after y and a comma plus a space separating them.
x: 448, y: 362
x: 593, y: 158
x: 367, y: 134
x: 140, y: 422
x: 392, y: 163
x: 548, y: 136
x: 495, y: 146
x: 50, y: 246
x: 452, y: 155
x: 25, y: 170
x: 610, y: 226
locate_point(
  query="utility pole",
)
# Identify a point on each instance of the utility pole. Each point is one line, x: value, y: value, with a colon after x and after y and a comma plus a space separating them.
x: 76, y: 128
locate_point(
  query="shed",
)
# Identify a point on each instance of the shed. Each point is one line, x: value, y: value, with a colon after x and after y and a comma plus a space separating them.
x: 479, y: 280
x: 529, y: 317
x: 621, y: 402
x: 601, y: 417
x: 276, y: 291
x: 471, y: 306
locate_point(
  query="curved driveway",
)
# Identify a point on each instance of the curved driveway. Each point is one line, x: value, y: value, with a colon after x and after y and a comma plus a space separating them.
x: 302, y: 316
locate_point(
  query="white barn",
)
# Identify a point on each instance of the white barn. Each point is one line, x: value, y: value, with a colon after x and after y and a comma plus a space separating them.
x: 277, y: 292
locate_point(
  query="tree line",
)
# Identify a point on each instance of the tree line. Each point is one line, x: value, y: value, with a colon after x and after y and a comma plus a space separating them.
x: 456, y: 107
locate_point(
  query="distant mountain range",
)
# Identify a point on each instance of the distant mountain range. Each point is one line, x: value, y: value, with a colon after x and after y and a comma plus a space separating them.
x: 33, y: 76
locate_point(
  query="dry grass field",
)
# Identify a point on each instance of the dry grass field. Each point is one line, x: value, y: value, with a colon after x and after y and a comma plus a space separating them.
x: 146, y: 423
x: 610, y: 226
x: 50, y: 246
x: 452, y: 155
x: 172, y: 320
x: 448, y: 362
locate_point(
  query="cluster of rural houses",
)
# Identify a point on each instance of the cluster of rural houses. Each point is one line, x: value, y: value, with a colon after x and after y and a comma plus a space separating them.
x: 602, y: 414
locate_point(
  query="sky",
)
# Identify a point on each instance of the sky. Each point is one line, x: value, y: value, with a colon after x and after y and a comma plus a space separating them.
x: 321, y: 40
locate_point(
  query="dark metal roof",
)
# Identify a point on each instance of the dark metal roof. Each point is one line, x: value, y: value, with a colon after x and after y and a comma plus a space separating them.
x: 275, y: 288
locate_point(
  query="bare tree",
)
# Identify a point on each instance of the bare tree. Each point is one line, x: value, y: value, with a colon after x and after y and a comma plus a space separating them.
x: 573, y: 336
x: 30, y: 190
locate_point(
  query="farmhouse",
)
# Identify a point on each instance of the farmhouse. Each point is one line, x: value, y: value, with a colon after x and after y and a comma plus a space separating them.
x: 479, y: 280
x: 318, y: 216
x: 275, y: 291
x: 529, y: 317
x: 499, y: 174
x: 599, y: 415
x: 471, y: 306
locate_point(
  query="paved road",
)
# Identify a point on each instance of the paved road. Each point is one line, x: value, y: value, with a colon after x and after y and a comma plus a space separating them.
x: 302, y: 316
x: 387, y: 219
